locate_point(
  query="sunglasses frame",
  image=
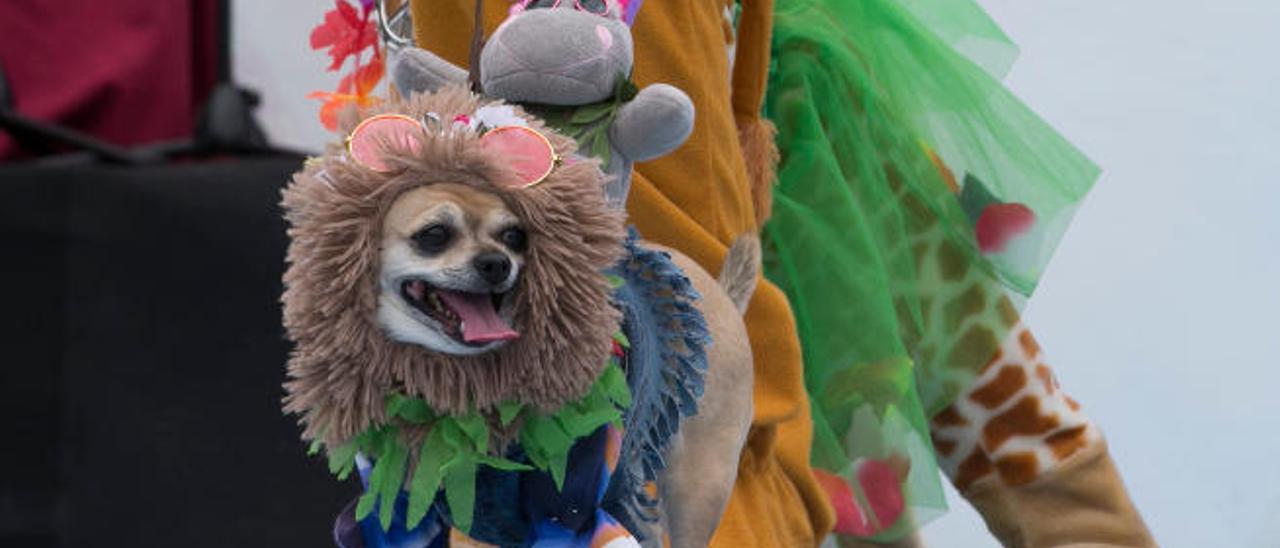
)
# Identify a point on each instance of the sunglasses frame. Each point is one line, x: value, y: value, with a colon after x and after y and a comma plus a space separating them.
x: 577, y: 4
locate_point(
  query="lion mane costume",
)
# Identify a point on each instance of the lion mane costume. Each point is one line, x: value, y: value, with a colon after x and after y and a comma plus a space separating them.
x: 343, y: 366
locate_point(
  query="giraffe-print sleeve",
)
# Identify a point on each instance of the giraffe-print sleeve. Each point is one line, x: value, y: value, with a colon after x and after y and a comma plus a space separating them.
x: 1014, y: 423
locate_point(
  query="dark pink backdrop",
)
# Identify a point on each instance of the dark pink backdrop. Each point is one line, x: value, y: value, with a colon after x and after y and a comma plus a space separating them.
x: 128, y: 71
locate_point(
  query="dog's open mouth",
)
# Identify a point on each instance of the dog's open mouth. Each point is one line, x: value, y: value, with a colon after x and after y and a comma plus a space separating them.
x: 470, y: 318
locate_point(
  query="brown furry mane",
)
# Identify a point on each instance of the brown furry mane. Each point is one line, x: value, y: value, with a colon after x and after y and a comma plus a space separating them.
x: 343, y: 365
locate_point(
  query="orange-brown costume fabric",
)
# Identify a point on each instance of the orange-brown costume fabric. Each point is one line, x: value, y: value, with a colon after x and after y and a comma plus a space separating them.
x: 697, y: 200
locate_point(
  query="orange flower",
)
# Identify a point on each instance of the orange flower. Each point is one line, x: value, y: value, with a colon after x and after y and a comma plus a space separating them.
x: 335, y: 102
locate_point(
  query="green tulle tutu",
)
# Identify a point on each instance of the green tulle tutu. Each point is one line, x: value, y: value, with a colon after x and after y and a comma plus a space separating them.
x: 918, y: 202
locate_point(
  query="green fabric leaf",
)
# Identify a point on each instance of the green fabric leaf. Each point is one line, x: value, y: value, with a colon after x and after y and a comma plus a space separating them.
x: 591, y: 113
x: 365, y: 506
x: 345, y: 472
x: 600, y: 148
x: 376, y: 478
x: 475, y: 428
x: 505, y: 465
x: 426, y: 478
x: 395, y: 458
x: 559, y: 462
x: 975, y: 197
x: 547, y: 434
x: 556, y: 118
x: 582, y: 418
x: 314, y: 448
x: 415, y: 411
x: 460, y: 491
x: 394, y: 403
x: 574, y: 423
x: 508, y: 412
x: 622, y: 339
x: 371, y: 439
x: 550, y: 441
x: 536, y: 453
x: 615, y: 386
x: 452, y: 433
x: 342, y: 458
x: 615, y: 282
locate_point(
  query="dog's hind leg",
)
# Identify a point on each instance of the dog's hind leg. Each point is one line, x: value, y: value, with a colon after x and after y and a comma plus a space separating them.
x: 702, y: 463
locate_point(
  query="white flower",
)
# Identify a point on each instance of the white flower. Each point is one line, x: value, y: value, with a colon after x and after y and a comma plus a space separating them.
x: 497, y: 116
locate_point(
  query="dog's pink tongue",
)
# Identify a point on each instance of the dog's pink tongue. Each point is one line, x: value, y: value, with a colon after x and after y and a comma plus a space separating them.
x: 480, y: 322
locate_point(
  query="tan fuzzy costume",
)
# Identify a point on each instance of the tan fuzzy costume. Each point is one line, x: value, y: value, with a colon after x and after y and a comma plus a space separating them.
x: 343, y: 365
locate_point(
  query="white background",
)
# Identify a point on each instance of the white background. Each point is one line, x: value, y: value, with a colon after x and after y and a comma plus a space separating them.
x: 1159, y: 311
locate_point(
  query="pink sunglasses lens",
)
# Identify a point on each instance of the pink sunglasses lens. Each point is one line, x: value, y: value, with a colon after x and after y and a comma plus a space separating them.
x: 377, y: 137
x: 528, y: 152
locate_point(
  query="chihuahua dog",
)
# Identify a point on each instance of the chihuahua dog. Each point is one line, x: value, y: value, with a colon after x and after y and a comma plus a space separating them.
x: 451, y: 256
x: 434, y: 278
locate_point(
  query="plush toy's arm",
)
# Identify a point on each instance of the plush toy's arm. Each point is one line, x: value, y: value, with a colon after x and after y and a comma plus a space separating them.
x: 656, y: 122
x: 419, y: 70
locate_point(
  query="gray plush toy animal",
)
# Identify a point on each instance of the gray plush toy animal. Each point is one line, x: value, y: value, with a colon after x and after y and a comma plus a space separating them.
x: 569, y: 62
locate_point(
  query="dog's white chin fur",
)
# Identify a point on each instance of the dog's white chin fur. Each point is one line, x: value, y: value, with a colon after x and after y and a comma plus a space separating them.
x: 403, y: 323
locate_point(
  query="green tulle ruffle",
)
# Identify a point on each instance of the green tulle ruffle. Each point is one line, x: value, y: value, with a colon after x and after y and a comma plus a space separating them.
x: 918, y: 203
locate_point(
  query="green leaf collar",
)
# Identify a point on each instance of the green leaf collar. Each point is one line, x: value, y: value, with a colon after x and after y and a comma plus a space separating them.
x: 456, y: 446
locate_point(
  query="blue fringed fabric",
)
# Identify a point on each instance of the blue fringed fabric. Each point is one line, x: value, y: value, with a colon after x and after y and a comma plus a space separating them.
x: 665, y: 368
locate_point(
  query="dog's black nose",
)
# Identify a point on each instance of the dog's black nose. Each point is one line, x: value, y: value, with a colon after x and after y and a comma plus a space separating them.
x: 493, y: 267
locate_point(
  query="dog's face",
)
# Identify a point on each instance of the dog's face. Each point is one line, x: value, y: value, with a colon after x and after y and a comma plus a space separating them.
x: 451, y: 256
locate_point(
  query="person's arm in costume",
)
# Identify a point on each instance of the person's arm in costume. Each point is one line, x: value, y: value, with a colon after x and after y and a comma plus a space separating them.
x: 1020, y: 449
x: 899, y: 275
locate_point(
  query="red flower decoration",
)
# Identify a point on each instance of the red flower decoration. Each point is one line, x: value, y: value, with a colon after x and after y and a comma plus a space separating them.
x: 882, y: 503
x: 1000, y: 223
x: 850, y: 519
x: 881, y: 482
x: 345, y: 32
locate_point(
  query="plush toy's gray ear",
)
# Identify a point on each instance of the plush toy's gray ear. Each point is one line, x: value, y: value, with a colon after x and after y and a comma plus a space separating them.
x: 420, y: 71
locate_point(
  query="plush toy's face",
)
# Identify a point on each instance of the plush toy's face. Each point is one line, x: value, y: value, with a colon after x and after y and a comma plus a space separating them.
x: 451, y: 257
x: 558, y: 53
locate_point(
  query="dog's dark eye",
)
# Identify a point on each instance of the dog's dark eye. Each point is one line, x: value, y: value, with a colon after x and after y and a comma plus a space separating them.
x: 515, y: 239
x: 433, y: 239
x: 537, y: 4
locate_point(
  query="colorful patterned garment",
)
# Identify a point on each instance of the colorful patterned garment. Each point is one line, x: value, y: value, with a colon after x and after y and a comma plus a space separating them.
x: 604, y: 500
x: 917, y: 204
